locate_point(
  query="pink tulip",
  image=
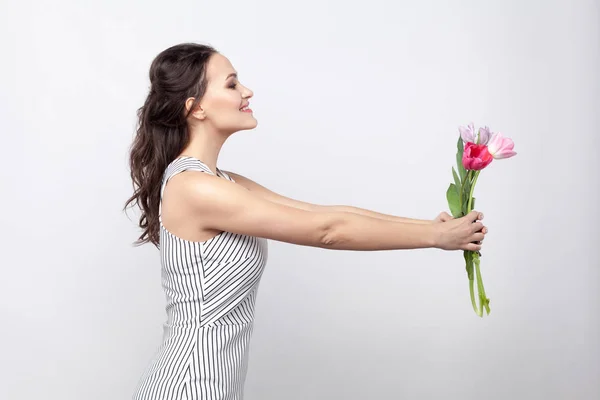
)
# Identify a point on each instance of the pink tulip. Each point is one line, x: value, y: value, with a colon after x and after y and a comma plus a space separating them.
x: 501, y: 147
x: 476, y: 156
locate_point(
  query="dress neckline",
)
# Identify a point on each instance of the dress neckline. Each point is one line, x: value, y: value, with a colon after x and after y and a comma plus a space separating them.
x: 217, y: 172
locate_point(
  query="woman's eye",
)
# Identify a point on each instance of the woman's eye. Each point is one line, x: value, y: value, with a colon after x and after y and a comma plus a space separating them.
x: 233, y: 86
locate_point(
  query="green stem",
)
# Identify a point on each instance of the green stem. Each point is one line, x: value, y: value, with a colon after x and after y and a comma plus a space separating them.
x: 472, y: 189
x: 483, y: 300
x: 468, y: 255
x: 479, y: 286
x: 472, y: 292
x: 462, y: 188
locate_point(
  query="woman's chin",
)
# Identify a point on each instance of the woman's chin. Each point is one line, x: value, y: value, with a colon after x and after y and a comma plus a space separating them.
x: 246, y: 124
x: 251, y: 124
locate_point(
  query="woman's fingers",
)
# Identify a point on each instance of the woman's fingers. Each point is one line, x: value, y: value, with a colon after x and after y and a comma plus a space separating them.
x: 476, y: 226
x: 472, y: 247
x: 478, y: 237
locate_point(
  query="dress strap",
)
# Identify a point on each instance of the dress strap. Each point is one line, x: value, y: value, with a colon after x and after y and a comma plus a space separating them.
x: 179, y: 165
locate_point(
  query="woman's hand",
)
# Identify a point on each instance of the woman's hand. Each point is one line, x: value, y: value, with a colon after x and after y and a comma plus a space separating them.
x: 464, y: 233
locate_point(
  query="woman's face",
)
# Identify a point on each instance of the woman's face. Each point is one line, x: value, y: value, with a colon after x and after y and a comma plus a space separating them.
x: 225, y: 102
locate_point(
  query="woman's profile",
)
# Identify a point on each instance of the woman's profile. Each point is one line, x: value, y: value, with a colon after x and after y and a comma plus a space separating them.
x: 211, y: 226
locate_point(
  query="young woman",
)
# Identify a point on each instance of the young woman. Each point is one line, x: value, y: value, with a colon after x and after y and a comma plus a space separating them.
x: 212, y: 226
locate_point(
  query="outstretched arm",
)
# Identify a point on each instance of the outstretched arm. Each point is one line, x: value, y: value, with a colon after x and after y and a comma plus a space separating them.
x: 277, y: 198
x: 219, y: 205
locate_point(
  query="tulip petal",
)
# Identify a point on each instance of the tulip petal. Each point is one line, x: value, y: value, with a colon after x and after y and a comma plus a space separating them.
x: 505, y: 154
x: 476, y: 156
x: 484, y: 135
x: 467, y: 133
x: 501, y: 147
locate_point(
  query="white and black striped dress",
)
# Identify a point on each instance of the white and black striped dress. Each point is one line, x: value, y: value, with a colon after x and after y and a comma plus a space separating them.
x: 210, y: 289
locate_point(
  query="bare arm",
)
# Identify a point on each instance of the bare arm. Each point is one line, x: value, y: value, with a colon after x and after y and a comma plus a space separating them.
x: 373, y: 214
x: 226, y: 206
x: 277, y: 198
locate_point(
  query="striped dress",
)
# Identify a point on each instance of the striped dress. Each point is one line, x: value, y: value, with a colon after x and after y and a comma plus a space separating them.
x: 210, y: 289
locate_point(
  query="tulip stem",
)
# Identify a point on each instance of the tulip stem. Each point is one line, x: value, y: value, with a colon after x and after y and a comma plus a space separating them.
x: 471, y: 194
x: 462, y: 189
x: 471, y: 283
x: 483, y: 300
x: 472, y: 292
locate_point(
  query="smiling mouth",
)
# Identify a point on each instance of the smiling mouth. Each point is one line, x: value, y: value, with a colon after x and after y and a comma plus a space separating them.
x: 246, y: 109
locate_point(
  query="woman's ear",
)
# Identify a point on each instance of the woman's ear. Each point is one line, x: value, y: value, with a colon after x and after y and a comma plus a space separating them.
x: 197, y: 112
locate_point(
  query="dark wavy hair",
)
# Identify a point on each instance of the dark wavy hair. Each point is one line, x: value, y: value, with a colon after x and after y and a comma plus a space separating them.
x: 176, y: 74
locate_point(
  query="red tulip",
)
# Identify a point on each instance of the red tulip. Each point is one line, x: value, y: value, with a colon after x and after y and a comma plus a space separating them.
x: 476, y: 156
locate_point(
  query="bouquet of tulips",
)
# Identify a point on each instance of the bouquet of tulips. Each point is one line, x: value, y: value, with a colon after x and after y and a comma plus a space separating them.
x: 475, y: 152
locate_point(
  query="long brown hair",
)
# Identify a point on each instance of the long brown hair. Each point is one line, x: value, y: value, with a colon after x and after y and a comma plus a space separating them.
x: 176, y: 74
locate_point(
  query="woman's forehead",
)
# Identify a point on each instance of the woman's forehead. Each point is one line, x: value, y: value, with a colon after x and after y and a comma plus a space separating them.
x: 219, y: 67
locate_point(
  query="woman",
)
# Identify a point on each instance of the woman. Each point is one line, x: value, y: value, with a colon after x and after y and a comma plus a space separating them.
x: 212, y: 226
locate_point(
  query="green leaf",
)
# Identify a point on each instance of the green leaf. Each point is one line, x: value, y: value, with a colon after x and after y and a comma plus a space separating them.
x: 473, y: 203
x: 456, y: 178
x: 462, y: 172
x: 453, y: 200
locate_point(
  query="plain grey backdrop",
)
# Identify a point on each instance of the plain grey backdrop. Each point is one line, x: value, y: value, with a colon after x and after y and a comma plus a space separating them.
x: 358, y: 103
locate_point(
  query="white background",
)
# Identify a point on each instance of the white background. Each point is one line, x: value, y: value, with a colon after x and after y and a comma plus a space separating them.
x: 358, y: 103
